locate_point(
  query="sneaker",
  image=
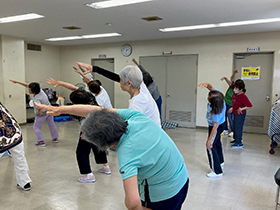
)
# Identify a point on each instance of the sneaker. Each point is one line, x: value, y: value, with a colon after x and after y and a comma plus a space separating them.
x: 230, y: 134
x: 41, y: 144
x: 232, y: 142
x: 26, y: 187
x: 226, y: 132
x: 55, y: 140
x: 105, y: 170
x: 212, y: 174
x: 222, y: 165
x: 87, y: 179
x: 237, y: 146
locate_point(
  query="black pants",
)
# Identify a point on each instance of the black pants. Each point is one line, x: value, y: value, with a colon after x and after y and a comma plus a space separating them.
x: 239, y: 120
x: 82, y: 154
x: 215, y: 154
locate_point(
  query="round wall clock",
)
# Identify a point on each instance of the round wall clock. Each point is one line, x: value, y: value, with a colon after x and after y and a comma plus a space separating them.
x: 126, y: 50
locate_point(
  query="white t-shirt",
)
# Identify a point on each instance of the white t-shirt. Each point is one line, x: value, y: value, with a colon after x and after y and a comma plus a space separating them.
x: 103, y: 99
x: 145, y: 103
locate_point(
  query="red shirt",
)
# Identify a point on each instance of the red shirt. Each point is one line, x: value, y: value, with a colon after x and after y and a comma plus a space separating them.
x: 240, y: 101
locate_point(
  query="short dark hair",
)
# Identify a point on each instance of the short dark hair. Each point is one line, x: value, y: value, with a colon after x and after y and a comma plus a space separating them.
x: 34, y: 87
x: 103, y: 128
x: 79, y: 97
x: 216, y: 100
x: 98, y: 81
x: 147, y: 79
x: 240, y: 85
x: 94, y: 87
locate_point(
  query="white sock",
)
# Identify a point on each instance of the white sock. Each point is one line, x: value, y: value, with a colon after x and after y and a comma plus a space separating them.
x: 90, y: 174
x: 105, y: 166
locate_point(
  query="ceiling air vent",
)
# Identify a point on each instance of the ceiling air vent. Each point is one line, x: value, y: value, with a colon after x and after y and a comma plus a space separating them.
x: 71, y: 28
x: 154, y: 18
x: 34, y: 47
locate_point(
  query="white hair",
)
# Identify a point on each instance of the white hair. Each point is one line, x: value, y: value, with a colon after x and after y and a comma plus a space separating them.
x: 133, y: 75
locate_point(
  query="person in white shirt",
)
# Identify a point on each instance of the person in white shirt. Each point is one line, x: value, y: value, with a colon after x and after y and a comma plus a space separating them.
x: 100, y: 94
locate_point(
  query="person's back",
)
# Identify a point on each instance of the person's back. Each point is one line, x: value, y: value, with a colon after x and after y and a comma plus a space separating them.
x: 148, y: 151
x: 103, y: 98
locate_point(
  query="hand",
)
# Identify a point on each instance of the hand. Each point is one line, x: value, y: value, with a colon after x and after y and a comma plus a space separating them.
x: 53, y: 82
x: 230, y: 110
x: 209, y: 144
x: 235, y: 71
x: 86, y: 80
x: 14, y: 81
x: 239, y: 110
x: 134, y: 61
x: 223, y: 78
x: 77, y: 70
x: 51, y: 110
x: 86, y: 66
x: 203, y: 84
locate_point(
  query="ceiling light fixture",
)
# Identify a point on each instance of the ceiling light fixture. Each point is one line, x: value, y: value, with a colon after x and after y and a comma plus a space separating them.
x: 228, y: 24
x: 115, y: 3
x: 83, y: 37
x: 20, y: 18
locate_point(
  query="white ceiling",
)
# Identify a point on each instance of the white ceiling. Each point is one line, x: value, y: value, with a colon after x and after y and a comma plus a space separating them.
x: 127, y: 19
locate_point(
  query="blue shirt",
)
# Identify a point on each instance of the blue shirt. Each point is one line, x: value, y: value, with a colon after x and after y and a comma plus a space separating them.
x: 147, y: 151
x: 221, y: 117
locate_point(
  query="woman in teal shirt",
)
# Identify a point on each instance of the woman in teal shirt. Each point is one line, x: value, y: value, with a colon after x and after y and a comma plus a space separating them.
x: 153, y: 170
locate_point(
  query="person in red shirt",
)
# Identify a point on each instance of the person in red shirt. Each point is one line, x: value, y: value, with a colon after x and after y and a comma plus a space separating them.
x: 240, y: 103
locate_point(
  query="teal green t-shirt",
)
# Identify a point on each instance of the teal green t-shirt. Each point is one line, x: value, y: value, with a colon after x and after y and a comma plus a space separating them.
x: 148, y: 152
x: 228, y: 96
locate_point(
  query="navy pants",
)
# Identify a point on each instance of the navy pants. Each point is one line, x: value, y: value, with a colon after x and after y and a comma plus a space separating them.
x: 215, y: 154
x: 83, y: 152
x: 229, y: 118
x: 174, y: 203
x: 239, y: 120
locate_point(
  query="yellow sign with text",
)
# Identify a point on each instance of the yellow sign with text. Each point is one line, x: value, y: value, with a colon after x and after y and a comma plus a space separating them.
x: 251, y: 72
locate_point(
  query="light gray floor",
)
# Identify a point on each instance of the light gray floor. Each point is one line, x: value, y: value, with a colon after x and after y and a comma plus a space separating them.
x: 248, y: 181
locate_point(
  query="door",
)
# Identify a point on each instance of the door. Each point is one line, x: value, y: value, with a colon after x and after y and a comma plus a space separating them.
x: 258, y: 91
x: 176, y: 78
x: 108, y: 84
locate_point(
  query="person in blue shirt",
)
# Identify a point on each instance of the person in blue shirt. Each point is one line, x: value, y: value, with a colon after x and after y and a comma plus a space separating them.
x: 152, y: 168
x: 215, y: 116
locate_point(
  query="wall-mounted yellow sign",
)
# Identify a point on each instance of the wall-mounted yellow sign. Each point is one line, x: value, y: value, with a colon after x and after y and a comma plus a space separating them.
x: 251, y: 73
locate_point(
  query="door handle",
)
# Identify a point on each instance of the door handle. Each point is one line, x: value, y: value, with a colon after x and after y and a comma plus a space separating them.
x: 267, y: 98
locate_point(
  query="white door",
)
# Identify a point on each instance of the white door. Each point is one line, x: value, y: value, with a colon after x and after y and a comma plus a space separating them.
x: 176, y: 78
x: 258, y: 91
x: 108, y: 84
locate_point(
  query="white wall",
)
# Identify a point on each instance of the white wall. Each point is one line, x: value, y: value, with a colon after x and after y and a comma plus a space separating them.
x: 12, y: 67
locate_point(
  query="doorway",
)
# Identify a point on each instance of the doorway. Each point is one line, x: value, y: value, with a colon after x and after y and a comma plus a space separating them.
x: 257, y: 90
x: 176, y: 78
x: 108, y: 84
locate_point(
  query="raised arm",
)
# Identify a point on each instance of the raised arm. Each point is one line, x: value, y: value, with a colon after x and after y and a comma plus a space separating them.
x: 86, y: 79
x: 207, y: 85
x: 57, y: 83
x: 105, y: 73
x: 78, y: 110
x: 227, y: 80
x: 233, y: 74
x: 140, y: 67
x: 21, y: 83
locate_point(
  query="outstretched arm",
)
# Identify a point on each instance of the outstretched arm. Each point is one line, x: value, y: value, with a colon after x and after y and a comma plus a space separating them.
x: 207, y: 85
x: 78, y: 110
x: 21, y: 83
x: 233, y: 74
x: 105, y: 73
x: 140, y: 67
x: 86, y: 79
x: 227, y: 80
x: 56, y: 83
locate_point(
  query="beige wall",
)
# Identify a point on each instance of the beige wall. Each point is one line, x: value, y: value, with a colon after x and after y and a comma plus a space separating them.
x: 12, y: 67
x: 215, y: 59
x: 1, y: 74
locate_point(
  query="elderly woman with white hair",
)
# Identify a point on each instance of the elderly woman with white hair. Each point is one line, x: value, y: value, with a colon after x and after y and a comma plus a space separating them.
x: 152, y: 168
x: 131, y: 81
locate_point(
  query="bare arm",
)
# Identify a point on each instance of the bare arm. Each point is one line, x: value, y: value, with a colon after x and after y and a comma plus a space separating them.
x: 209, y: 143
x: 134, y: 61
x: 233, y: 74
x: 227, y: 80
x: 132, y: 198
x: 86, y: 79
x: 21, y: 83
x: 57, y: 83
x: 207, y: 85
x: 79, y: 110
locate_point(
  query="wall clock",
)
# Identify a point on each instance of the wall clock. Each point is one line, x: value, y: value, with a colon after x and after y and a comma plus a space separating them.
x: 126, y: 50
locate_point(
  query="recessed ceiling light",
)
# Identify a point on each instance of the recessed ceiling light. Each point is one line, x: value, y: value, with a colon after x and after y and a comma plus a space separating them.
x: 20, y: 18
x: 153, y: 18
x: 83, y: 37
x: 248, y: 22
x: 113, y: 3
x: 71, y: 28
